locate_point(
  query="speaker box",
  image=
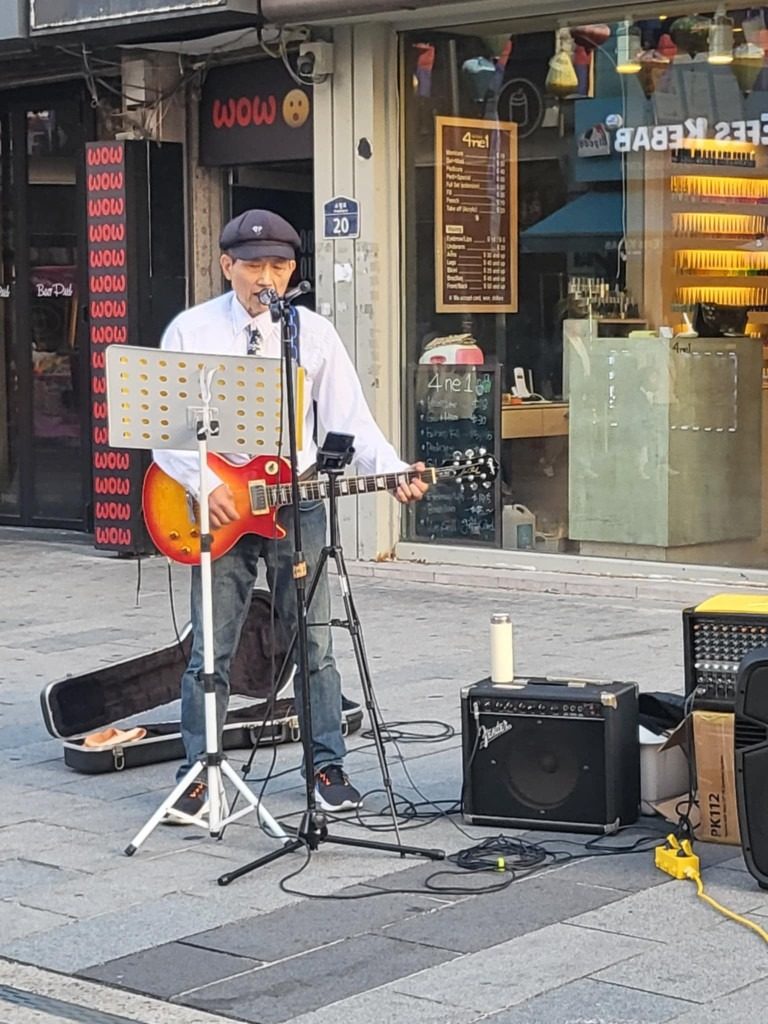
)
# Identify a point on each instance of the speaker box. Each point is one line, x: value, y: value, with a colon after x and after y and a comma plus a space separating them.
x: 551, y: 754
x: 751, y: 753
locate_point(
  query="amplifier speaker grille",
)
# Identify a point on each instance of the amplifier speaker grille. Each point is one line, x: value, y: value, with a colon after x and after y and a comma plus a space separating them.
x: 751, y: 751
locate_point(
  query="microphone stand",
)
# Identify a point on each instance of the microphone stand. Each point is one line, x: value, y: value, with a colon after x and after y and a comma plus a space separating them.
x: 313, y: 829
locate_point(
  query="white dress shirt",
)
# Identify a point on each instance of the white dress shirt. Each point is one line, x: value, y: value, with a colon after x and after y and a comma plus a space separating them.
x: 223, y: 326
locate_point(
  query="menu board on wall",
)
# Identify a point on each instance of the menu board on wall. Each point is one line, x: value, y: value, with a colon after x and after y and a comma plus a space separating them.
x: 475, y: 216
x: 457, y: 409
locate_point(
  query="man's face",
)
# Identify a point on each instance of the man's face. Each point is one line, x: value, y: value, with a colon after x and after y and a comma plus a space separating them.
x: 250, y: 277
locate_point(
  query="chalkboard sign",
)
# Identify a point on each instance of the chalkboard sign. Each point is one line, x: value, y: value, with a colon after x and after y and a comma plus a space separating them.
x: 457, y: 407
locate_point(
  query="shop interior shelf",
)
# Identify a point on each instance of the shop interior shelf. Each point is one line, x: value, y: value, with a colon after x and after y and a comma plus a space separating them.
x: 711, y: 242
x: 688, y: 205
x: 693, y: 279
x: 715, y: 171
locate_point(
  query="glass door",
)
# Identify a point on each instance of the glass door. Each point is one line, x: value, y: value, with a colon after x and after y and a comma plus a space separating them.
x: 44, y: 452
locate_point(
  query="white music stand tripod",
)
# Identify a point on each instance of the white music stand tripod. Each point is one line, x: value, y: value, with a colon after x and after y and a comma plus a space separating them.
x: 153, y: 403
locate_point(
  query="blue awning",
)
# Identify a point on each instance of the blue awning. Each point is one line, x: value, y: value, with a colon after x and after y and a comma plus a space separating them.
x: 586, y: 222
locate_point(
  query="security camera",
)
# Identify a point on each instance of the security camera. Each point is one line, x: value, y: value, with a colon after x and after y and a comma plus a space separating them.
x: 315, y: 59
x: 305, y: 65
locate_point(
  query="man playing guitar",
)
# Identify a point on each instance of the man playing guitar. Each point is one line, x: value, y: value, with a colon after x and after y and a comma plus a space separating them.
x: 258, y: 250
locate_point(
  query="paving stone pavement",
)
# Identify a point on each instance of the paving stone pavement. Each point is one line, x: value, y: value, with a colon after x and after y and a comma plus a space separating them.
x: 89, y: 935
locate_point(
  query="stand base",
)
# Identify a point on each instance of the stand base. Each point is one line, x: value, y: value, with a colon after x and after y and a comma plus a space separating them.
x: 312, y: 832
x: 218, y: 815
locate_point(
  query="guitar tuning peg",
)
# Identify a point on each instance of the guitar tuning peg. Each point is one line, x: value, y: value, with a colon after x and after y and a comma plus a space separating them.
x: 481, y: 452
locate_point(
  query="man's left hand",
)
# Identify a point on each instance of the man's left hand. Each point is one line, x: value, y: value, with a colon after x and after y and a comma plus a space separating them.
x: 415, y: 489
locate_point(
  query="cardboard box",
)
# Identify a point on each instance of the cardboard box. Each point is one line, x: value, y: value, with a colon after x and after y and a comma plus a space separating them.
x: 716, y: 820
x: 716, y: 776
x: 663, y: 769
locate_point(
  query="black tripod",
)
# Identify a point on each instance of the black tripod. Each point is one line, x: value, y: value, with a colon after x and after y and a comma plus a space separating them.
x: 332, y: 458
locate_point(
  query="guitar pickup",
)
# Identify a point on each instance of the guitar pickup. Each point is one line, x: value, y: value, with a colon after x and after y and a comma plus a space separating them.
x: 257, y: 491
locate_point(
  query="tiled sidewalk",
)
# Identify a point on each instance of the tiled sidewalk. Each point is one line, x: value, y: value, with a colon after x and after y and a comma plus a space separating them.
x: 154, y: 938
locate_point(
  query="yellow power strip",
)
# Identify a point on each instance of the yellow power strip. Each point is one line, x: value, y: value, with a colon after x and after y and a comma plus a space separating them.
x: 678, y: 860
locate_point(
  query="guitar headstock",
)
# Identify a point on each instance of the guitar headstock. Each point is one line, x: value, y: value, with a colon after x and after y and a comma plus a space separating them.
x: 475, y: 469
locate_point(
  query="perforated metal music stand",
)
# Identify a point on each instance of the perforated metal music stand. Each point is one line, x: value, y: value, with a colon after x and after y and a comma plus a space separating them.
x: 160, y: 399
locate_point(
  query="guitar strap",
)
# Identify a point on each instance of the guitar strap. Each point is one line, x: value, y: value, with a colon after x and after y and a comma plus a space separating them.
x: 294, y: 335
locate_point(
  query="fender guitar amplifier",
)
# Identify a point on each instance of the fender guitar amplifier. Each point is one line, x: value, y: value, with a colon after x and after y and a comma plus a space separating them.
x: 551, y: 754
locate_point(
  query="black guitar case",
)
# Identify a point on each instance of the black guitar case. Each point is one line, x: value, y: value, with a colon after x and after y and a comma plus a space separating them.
x: 118, y: 695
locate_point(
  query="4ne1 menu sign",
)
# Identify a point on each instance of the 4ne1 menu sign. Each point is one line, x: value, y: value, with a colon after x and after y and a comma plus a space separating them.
x: 457, y: 410
x: 475, y: 216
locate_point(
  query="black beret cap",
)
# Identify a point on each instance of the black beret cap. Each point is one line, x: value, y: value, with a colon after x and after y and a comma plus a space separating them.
x: 257, y: 234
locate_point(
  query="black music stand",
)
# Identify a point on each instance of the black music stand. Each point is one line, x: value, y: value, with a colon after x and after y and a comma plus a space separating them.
x: 313, y: 829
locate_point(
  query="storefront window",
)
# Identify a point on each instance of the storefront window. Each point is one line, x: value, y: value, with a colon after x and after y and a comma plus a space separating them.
x: 586, y: 282
x: 9, y: 360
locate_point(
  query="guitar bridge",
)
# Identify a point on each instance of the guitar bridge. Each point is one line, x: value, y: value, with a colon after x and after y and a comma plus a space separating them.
x: 257, y: 492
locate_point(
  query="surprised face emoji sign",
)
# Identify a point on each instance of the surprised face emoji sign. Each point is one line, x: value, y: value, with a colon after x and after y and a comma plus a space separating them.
x: 295, y: 108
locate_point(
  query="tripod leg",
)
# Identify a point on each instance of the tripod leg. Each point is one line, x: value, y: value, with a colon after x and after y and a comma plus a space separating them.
x: 374, y: 714
x: 164, y: 807
x: 289, y: 847
x: 266, y: 820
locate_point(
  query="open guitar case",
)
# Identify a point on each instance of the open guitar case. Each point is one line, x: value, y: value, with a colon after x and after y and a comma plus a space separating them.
x: 117, y: 695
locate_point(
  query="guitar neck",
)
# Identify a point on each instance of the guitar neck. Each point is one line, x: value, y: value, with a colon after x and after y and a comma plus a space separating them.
x: 314, y: 490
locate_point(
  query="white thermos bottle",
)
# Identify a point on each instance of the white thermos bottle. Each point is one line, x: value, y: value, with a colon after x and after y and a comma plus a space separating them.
x: 502, y: 655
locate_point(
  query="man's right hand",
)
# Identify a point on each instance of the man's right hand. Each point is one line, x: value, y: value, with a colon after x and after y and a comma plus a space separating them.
x: 221, y: 507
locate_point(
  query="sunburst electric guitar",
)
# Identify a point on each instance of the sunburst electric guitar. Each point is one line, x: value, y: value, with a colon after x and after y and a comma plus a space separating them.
x: 260, y: 487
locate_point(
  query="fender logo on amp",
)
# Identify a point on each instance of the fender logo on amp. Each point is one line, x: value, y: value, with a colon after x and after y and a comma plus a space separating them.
x: 487, y: 736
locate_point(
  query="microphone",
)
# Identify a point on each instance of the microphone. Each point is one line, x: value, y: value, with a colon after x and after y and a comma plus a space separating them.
x: 268, y: 296
x: 301, y: 289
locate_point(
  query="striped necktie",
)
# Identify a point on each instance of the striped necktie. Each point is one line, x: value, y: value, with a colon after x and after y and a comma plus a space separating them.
x: 255, y: 341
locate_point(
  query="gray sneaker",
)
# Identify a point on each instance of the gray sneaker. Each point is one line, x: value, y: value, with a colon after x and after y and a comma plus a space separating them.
x: 193, y: 802
x: 334, y: 791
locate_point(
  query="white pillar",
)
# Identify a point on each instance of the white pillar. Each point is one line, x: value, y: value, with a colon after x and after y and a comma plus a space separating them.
x: 356, y: 155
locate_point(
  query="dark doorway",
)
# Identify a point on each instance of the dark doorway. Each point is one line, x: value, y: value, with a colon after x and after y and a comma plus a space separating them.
x: 286, y: 189
x: 44, y: 415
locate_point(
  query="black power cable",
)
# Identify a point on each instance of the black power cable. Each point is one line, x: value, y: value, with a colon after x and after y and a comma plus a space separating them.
x: 397, y: 732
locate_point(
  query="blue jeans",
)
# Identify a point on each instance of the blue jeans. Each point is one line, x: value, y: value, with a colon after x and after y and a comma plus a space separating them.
x: 233, y: 577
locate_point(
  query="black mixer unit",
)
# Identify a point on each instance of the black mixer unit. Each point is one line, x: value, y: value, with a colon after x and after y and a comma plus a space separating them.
x: 717, y: 634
